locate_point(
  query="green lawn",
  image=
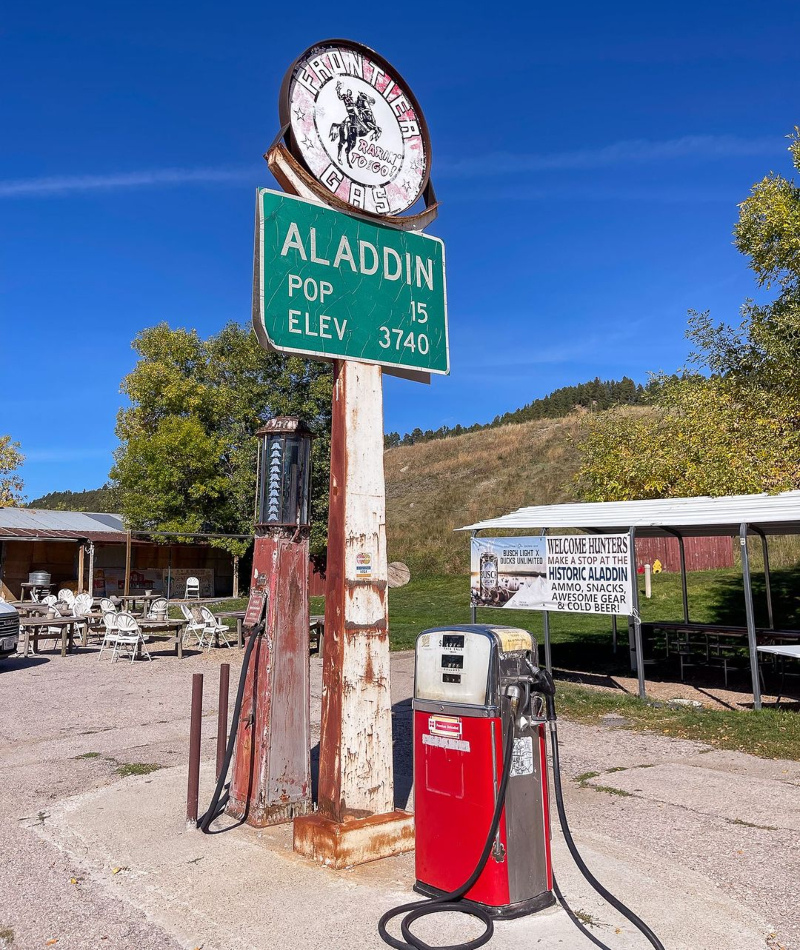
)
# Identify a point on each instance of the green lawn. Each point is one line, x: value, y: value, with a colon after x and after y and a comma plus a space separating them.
x: 583, y: 642
x: 769, y: 734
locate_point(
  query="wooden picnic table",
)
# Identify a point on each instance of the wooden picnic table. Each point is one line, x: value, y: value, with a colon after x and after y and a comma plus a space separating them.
x: 31, y: 609
x: 793, y: 652
x: 316, y: 624
x: 32, y: 627
x: 168, y: 628
x: 30, y: 587
x: 132, y: 598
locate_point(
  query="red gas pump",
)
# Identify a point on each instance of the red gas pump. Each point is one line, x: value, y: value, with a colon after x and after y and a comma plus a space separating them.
x: 472, y: 691
x: 481, y: 800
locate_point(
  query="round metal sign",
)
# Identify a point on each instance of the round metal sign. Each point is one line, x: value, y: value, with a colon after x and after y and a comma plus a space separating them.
x: 356, y: 126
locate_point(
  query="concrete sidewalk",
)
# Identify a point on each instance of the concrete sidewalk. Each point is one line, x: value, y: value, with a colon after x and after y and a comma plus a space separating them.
x: 246, y: 889
x: 702, y: 844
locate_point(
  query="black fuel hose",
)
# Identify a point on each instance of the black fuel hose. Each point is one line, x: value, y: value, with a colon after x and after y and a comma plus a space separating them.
x: 452, y: 902
x: 617, y: 904
x: 218, y: 799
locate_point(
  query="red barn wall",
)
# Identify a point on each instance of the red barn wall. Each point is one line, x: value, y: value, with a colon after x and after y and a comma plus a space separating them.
x: 702, y: 554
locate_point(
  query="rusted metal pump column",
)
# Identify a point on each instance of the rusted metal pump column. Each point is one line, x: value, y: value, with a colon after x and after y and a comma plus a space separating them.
x: 271, y: 781
x: 356, y: 821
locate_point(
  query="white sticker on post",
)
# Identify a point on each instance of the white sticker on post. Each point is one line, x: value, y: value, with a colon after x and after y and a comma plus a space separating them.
x: 522, y: 756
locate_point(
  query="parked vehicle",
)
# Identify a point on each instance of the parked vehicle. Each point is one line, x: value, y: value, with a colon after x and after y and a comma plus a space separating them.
x: 9, y: 629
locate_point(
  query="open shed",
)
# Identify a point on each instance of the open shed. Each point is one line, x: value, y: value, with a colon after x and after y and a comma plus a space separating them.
x: 681, y: 518
x: 94, y: 551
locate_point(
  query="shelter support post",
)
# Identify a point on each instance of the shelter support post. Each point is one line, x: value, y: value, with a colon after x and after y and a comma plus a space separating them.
x: 127, y: 587
x: 90, y: 546
x: 356, y: 821
x: 235, y: 575
x: 684, y: 585
x: 635, y: 621
x: 767, y: 576
x: 473, y: 610
x: 81, y: 565
x: 750, y: 615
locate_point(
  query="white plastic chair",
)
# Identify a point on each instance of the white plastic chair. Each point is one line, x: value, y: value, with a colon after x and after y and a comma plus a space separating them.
x: 192, y: 588
x: 129, y: 639
x: 159, y: 605
x: 194, y: 628
x: 108, y: 605
x: 81, y: 607
x: 213, y: 628
x: 51, y: 600
x: 110, y: 637
x: 67, y: 596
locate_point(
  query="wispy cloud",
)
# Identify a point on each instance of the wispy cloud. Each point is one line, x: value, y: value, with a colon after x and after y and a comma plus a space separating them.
x: 66, y: 184
x: 628, y: 152
x: 65, y: 455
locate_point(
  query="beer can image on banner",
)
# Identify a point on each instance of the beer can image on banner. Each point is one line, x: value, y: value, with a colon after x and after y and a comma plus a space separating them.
x: 501, y: 573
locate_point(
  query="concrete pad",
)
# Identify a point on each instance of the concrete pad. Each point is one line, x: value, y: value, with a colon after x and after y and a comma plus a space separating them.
x: 245, y: 888
x: 757, y: 801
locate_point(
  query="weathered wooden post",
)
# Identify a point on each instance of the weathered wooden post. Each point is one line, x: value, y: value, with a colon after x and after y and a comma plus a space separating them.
x: 364, y: 289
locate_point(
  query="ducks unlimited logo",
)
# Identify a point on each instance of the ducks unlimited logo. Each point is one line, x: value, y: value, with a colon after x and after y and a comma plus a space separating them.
x: 357, y: 127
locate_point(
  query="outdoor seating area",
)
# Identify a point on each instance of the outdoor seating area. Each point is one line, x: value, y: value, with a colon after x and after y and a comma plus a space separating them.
x: 119, y: 626
x: 123, y: 626
x: 750, y: 649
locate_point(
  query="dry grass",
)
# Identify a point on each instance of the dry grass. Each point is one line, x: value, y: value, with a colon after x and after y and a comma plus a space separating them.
x: 434, y: 487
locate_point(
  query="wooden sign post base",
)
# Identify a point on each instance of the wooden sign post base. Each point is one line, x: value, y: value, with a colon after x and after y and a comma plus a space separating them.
x: 356, y: 821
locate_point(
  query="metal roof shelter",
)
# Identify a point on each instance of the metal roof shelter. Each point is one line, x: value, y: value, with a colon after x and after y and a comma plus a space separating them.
x: 728, y: 515
x: 41, y: 524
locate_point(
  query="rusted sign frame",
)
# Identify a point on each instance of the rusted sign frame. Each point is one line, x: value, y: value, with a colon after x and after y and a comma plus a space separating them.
x: 285, y: 160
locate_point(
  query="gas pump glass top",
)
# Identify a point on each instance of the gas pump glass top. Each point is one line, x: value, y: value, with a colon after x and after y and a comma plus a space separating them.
x: 453, y: 666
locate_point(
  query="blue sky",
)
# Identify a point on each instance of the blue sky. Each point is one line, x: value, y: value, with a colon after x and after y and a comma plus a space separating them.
x: 588, y: 157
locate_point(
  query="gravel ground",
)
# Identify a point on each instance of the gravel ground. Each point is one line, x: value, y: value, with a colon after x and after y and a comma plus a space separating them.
x: 69, y: 724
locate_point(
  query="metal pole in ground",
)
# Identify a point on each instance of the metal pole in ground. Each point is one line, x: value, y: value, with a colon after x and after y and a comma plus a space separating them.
x: 193, y: 791
x: 473, y: 610
x: 637, y: 624
x: 750, y: 615
x: 222, y: 715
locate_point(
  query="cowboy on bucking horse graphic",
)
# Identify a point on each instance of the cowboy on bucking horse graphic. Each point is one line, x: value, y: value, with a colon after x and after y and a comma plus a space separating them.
x: 360, y: 120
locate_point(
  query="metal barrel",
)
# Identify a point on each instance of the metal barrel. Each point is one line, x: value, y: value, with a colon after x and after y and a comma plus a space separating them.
x: 193, y: 791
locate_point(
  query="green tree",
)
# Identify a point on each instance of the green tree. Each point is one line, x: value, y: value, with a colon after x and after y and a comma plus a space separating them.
x: 187, y: 458
x: 731, y: 423
x: 10, y: 481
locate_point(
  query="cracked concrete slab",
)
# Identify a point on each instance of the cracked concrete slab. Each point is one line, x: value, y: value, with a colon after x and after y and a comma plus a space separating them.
x: 246, y: 888
x: 760, y: 802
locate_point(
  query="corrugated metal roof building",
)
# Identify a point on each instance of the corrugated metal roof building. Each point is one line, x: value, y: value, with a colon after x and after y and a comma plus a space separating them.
x: 73, y: 546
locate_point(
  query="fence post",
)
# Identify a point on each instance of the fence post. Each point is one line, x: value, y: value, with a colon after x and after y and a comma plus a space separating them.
x: 193, y: 791
x: 222, y: 715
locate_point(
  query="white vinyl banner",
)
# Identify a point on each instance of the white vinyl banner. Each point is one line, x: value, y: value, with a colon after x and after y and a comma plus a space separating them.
x: 577, y: 573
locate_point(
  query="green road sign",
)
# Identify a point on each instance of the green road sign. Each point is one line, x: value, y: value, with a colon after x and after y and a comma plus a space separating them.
x: 331, y: 285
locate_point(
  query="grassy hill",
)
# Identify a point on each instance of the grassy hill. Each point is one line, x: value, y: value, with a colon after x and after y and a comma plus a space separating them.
x: 434, y: 487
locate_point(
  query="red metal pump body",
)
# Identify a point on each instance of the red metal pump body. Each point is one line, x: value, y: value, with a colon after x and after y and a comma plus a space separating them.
x: 271, y: 775
x: 461, y: 717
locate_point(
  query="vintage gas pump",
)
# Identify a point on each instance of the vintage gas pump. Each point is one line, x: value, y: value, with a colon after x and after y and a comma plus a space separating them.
x: 472, y: 691
x: 271, y: 780
x: 481, y: 801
